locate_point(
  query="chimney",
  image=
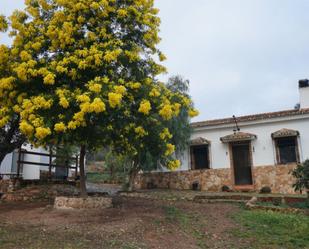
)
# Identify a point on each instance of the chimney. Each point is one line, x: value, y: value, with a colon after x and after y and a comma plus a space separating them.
x: 304, y: 93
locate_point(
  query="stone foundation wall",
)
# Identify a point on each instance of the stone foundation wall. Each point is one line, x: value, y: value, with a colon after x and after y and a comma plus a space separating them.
x: 7, y: 186
x: 275, y: 176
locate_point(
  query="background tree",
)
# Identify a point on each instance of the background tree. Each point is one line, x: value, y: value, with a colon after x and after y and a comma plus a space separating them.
x: 180, y: 125
x: 159, y: 141
x: 84, y: 73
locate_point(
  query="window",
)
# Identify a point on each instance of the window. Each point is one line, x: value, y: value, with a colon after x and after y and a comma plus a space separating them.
x: 199, y: 157
x: 287, y: 150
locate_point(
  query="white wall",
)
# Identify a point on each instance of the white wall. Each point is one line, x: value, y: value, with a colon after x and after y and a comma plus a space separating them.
x: 6, y: 164
x: 263, y: 148
x: 304, y: 97
x: 32, y: 172
x: 29, y: 172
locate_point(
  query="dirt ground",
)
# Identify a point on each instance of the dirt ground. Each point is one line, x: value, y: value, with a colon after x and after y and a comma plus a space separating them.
x: 136, y: 223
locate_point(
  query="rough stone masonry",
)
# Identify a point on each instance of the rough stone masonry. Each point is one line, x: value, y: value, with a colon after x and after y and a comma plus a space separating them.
x: 82, y: 203
x: 277, y: 177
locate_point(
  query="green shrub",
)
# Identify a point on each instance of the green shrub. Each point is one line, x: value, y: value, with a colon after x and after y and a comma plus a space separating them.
x: 301, y: 173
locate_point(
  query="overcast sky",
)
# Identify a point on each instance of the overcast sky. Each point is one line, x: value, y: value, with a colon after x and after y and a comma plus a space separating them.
x: 241, y: 56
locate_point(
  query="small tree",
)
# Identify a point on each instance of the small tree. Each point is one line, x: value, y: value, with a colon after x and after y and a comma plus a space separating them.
x: 180, y: 125
x: 301, y: 173
x: 157, y: 140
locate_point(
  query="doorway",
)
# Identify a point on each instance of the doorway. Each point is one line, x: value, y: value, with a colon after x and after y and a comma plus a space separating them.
x: 242, y: 163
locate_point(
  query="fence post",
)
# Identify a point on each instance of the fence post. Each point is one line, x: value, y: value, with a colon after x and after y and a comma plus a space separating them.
x: 50, y: 163
x: 76, y: 167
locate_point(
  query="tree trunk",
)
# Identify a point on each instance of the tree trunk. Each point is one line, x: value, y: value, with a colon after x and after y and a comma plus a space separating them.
x: 132, y: 176
x: 83, y: 190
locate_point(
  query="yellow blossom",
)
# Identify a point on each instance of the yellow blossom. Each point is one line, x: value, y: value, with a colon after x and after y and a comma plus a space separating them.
x: 165, y: 134
x: 36, y: 46
x: 176, y: 108
x: 145, y: 107
x: 120, y: 89
x: 42, y: 132
x: 72, y: 125
x: 60, y: 127
x: 98, y: 105
x: 162, y: 57
x: 136, y: 85
x: 112, y: 55
x: 166, y: 112
x: 64, y: 102
x: 4, y: 121
x: 3, y: 24
x: 7, y: 83
x: 49, y: 79
x: 114, y: 99
x: 83, y: 98
x: 122, y: 13
x: 26, y: 128
x: 193, y: 113
x: 140, y: 131
x: 25, y: 56
x: 154, y: 93
x: 95, y: 87
x: 173, y: 165
x: 186, y: 101
x: 170, y: 149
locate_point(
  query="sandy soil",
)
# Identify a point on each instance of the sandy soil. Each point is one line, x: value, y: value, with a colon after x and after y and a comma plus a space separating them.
x: 135, y: 223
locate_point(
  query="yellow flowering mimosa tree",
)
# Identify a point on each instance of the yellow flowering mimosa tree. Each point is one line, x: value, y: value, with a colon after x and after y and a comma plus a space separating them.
x: 84, y: 72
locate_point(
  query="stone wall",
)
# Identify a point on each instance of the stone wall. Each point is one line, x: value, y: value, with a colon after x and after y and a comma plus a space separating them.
x: 82, y: 203
x: 275, y: 176
x: 7, y: 186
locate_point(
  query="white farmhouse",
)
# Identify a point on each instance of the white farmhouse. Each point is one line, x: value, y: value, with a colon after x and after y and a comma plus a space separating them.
x: 31, y: 163
x: 243, y: 153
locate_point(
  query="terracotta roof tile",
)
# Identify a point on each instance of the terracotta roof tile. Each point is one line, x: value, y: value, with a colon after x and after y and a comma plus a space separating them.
x: 256, y: 117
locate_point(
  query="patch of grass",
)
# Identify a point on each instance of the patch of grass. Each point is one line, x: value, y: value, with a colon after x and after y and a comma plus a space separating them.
x: 270, y: 204
x: 174, y: 214
x: 273, y: 230
x: 95, y: 177
x: 301, y: 205
x: 123, y: 245
x: 36, y: 237
x: 192, y: 224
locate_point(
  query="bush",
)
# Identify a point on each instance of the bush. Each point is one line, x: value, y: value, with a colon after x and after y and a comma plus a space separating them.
x: 265, y: 190
x: 301, y: 173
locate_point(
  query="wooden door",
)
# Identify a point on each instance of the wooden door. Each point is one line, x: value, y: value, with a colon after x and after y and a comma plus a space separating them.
x: 242, y: 164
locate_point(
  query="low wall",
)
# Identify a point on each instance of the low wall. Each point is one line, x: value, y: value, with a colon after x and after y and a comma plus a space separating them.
x: 7, y: 186
x: 277, y: 177
x: 82, y: 203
